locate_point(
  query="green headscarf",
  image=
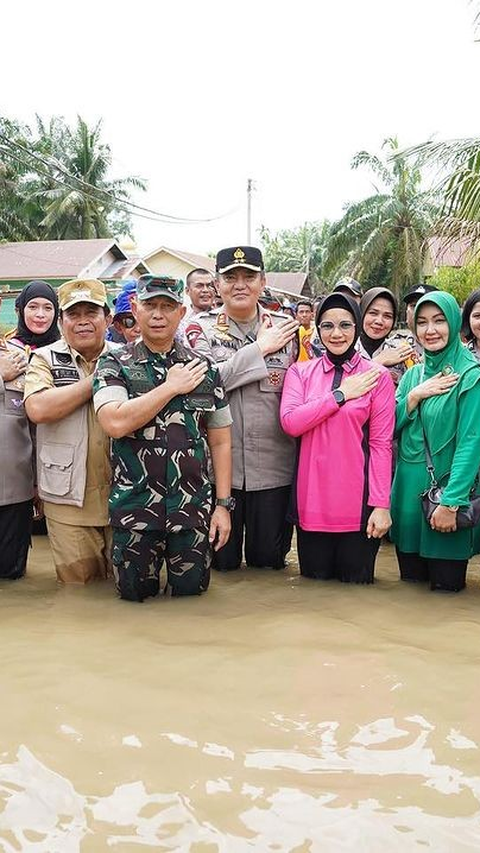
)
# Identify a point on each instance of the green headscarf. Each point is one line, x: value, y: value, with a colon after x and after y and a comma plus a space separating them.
x: 440, y: 412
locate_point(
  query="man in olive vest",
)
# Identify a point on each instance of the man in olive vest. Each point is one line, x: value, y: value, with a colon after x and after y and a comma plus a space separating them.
x: 72, y: 449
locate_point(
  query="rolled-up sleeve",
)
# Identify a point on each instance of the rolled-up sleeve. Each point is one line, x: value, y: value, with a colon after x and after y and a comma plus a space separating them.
x: 108, y: 383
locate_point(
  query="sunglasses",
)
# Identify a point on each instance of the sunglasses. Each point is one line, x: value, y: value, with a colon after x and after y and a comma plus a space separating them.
x: 127, y: 322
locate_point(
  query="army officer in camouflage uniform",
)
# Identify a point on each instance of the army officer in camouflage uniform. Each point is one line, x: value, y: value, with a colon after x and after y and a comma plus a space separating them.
x: 162, y: 406
x: 252, y: 348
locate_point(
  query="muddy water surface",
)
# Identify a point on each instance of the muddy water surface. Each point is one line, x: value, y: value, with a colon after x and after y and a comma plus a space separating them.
x: 272, y: 714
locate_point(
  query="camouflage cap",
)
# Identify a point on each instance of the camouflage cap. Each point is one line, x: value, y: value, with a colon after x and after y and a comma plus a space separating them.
x: 81, y: 290
x: 149, y: 286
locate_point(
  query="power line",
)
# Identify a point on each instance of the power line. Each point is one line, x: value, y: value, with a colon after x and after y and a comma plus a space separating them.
x: 123, y: 204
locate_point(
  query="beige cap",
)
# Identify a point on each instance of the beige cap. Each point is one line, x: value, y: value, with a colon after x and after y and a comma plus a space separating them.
x: 81, y: 290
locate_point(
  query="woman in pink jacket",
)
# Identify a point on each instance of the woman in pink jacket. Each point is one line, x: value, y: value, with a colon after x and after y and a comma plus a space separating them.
x: 342, y: 408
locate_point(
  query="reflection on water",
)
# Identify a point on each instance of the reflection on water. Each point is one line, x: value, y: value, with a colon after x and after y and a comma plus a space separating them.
x: 272, y: 714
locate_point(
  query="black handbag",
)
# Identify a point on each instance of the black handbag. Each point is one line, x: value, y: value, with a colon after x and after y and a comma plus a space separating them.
x: 468, y: 515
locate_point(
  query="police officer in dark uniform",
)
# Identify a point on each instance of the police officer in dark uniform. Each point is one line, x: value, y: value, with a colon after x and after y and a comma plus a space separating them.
x: 252, y: 348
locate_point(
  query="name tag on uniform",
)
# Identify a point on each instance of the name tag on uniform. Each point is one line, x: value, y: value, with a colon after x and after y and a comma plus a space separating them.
x: 202, y: 398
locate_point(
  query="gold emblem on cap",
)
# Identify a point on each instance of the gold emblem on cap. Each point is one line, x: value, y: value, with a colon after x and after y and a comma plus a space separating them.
x: 239, y: 255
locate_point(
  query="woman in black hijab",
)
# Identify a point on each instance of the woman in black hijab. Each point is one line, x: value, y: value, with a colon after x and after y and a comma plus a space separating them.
x: 341, y: 407
x: 37, y: 309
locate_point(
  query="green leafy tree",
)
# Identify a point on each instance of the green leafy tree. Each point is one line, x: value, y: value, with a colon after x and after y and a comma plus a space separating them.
x: 87, y: 203
x: 56, y: 183
x: 382, y: 239
x: 456, y: 166
x: 298, y: 250
x: 459, y: 281
x: 16, y: 207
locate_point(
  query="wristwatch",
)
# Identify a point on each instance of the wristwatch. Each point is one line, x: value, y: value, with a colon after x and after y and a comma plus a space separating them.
x: 229, y: 503
x: 339, y: 397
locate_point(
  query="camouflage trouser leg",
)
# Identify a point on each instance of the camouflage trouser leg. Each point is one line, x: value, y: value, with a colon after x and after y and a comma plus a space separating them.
x: 188, y: 556
x: 138, y: 557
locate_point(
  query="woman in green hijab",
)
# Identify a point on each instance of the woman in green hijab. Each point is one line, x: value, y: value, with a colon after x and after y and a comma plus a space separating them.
x: 443, y: 395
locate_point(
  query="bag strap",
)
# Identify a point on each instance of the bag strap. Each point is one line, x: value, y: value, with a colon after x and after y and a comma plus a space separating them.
x: 428, y: 455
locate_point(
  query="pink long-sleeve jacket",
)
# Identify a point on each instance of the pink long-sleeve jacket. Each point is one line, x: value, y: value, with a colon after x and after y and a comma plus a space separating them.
x: 345, y: 460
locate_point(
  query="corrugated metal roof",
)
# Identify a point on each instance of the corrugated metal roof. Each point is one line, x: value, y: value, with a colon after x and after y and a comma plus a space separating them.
x: 52, y: 258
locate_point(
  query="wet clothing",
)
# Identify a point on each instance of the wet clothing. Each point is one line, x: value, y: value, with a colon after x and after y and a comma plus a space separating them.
x: 15, y: 534
x: 159, y: 473
x: 344, y: 466
x: 349, y: 557
x: 452, y: 426
x: 138, y: 559
x: 344, y: 457
x: 446, y: 575
x: 260, y: 518
x: 73, y: 470
x: 160, y: 488
x: 16, y: 476
x: 16, y: 462
x: 81, y: 554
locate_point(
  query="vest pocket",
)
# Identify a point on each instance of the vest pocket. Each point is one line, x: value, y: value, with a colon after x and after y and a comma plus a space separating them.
x: 56, y: 468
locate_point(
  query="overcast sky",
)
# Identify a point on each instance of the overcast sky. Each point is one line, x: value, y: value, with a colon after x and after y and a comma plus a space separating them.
x: 197, y: 97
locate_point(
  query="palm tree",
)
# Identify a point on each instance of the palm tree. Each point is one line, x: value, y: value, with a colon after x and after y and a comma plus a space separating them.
x: 298, y: 250
x: 457, y: 162
x: 381, y: 239
x: 16, y: 207
x: 78, y: 198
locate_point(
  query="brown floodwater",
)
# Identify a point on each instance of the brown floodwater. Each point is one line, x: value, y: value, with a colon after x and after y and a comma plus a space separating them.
x: 272, y: 714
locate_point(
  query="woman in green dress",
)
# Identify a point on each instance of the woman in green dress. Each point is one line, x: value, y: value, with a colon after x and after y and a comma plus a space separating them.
x: 443, y: 395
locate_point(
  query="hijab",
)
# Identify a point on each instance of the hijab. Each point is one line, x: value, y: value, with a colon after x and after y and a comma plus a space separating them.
x: 441, y: 411
x: 33, y: 290
x: 340, y: 300
x: 369, y: 344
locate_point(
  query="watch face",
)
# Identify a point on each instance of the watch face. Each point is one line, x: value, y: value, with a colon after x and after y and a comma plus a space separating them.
x: 228, y: 503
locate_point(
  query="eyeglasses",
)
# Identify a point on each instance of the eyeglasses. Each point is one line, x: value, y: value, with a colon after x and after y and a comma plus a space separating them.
x: 127, y: 322
x: 344, y: 326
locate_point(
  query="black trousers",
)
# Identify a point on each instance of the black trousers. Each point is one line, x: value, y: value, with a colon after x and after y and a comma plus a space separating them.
x: 15, y: 537
x: 446, y: 575
x: 260, y: 517
x: 347, y: 557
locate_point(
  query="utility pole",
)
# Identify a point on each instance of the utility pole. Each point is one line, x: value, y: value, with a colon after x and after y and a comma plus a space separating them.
x: 249, y: 211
